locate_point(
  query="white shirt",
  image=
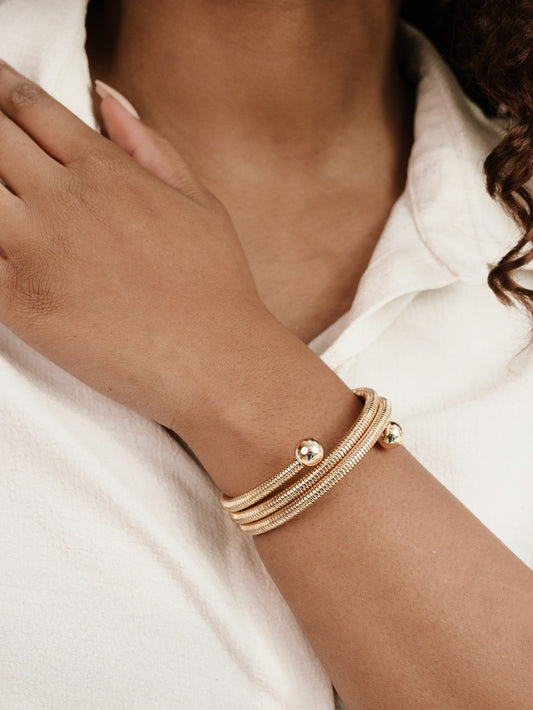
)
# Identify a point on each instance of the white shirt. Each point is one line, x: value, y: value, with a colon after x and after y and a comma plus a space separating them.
x: 123, y: 583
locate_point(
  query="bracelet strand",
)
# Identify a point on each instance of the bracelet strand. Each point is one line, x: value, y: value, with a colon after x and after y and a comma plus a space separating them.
x: 257, y: 494
x: 366, y: 417
x: 328, y: 481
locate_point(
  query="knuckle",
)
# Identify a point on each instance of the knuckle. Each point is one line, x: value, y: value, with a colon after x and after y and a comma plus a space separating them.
x: 100, y: 159
x: 33, y: 291
x: 105, y: 172
x: 71, y: 190
x: 98, y: 167
x: 50, y: 245
x: 24, y: 95
x: 68, y: 193
x: 87, y: 153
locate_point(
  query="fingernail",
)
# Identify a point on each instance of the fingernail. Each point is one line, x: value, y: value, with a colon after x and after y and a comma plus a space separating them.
x: 104, y: 90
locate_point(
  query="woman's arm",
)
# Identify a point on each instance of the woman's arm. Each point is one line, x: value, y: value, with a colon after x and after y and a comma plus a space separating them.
x: 141, y: 289
x: 409, y: 601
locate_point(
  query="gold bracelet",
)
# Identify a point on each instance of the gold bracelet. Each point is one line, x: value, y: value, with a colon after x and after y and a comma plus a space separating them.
x: 238, y: 503
x: 363, y: 421
x: 375, y: 431
x: 264, y: 489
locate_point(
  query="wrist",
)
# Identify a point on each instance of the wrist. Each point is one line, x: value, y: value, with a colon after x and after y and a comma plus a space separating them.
x: 268, y: 393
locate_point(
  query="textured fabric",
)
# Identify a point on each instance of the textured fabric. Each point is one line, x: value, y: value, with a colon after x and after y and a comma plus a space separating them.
x: 123, y: 584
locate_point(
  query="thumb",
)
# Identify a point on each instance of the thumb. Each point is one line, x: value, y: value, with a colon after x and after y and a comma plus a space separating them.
x: 147, y: 146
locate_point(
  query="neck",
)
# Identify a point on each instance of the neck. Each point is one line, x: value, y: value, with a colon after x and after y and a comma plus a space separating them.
x: 261, y: 80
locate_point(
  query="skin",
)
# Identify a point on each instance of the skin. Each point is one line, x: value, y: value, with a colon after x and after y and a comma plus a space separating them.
x: 266, y: 101
x: 89, y: 272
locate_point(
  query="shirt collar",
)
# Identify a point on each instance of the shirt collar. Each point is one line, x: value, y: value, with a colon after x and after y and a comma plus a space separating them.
x: 455, y: 217
x: 445, y: 227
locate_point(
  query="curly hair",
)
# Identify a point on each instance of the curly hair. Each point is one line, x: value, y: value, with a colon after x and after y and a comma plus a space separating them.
x: 489, y: 43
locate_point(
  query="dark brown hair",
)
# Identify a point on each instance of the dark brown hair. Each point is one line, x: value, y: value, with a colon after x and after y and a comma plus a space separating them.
x: 489, y: 43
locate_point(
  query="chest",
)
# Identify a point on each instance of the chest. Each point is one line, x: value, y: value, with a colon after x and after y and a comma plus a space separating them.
x: 307, y: 260
x: 306, y: 294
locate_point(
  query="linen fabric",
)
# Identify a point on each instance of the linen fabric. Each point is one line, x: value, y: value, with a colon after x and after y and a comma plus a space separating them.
x: 123, y: 582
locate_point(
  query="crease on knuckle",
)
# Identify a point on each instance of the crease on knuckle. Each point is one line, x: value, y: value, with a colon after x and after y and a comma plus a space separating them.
x: 24, y: 95
x: 72, y: 190
x: 66, y: 197
x: 33, y: 292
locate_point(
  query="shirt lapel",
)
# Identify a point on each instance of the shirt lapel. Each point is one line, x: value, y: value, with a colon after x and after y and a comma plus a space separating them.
x: 444, y: 227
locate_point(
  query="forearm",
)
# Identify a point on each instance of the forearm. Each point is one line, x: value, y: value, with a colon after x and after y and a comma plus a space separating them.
x: 409, y: 601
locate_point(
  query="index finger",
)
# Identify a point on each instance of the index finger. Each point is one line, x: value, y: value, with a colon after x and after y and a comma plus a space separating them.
x: 51, y: 125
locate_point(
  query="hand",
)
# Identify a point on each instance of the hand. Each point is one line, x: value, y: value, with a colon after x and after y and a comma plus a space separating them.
x: 115, y: 262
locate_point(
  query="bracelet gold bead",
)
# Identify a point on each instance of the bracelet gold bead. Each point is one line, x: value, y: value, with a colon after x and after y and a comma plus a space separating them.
x: 392, y: 436
x: 309, y: 452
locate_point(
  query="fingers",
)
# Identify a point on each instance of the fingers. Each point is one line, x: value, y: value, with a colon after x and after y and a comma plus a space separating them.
x: 50, y: 124
x: 23, y: 165
x: 144, y: 144
x: 104, y: 90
